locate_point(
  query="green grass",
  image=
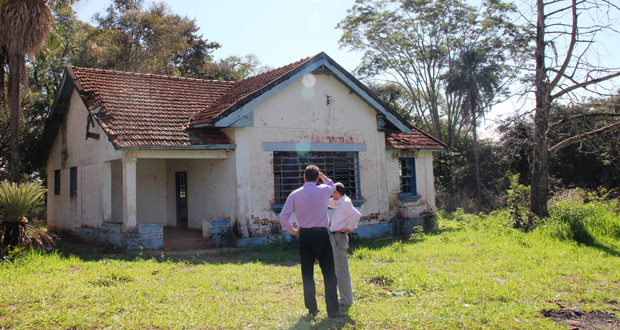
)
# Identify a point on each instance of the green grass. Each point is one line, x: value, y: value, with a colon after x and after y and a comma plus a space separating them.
x: 474, y: 274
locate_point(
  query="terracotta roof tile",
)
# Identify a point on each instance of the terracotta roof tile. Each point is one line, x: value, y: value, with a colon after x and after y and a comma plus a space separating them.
x: 151, y: 110
x: 415, y: 140
x: 147, y: 110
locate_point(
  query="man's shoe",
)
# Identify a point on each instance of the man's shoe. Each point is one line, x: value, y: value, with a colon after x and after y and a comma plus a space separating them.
x: 313, y: 313
x: 337, y: 315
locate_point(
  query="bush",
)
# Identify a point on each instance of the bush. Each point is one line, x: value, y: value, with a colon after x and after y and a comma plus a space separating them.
x: 584, y: 220
x: 15, y: 231
x: 518, y: 204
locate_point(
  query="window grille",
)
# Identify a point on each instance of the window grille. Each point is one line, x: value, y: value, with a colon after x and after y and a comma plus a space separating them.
x: 408, y: 189
x: 288, y: 169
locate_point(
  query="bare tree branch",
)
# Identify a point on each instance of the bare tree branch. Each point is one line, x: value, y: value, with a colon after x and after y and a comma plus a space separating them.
x: 584, y: 136
x: 571, y: 47
x: 581, y: 116
x: 585, y: 84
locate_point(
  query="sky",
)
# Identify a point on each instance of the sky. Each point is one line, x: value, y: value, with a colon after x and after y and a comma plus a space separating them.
x: 278, y: 32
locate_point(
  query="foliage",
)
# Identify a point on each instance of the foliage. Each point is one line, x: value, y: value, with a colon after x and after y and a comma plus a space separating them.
x: 589, y: 164
x: 589, y: 221
x: 130, y: 38
x: 17, y: 200
x: 518, y: 206
x: 15, y: 230
x: 20, y: 234
x: 415, y: 43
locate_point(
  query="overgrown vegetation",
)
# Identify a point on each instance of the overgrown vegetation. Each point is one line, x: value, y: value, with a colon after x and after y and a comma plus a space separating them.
x: 476, y: 271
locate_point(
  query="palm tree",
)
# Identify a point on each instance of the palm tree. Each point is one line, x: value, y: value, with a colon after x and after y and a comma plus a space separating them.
x: 25, y: 26
x: 476, y: 79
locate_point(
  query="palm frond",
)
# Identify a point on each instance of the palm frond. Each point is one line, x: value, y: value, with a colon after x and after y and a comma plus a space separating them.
x: 17, y: 200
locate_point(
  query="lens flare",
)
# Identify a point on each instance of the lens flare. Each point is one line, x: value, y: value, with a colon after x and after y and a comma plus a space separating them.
x: 309, y: 80
x: 302, y: 148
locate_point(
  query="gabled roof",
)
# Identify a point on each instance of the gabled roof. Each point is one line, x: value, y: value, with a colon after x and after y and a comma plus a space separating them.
x: 152, y: 111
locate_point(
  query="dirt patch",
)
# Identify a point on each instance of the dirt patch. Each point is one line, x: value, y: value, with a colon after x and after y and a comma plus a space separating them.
x: 576, y: 319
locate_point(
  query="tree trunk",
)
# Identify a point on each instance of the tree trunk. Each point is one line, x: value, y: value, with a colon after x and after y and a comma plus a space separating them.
x: 540, y: 160
x: 15, y: 67
x: 477, y: 159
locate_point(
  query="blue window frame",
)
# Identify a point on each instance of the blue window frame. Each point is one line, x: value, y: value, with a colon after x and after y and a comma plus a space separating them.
x: 408, y: 186
x: 73, y: 181
x: 289, y: 166
x: 57, y: 182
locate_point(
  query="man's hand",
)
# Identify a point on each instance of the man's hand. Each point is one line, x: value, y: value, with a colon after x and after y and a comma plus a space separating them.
x: 293, y: 231
x: 322, y: 176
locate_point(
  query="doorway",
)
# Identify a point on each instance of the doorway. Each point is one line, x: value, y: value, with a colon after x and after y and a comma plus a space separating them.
x: 181, y: 196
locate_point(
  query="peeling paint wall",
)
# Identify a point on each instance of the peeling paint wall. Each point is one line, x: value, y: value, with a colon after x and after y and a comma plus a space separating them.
x: 323, y: 112
x: 424, y: 184
x: 72, y: 149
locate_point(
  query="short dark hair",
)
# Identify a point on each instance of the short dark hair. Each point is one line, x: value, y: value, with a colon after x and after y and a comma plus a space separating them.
x: 340, y: 188
x: 311, y: 173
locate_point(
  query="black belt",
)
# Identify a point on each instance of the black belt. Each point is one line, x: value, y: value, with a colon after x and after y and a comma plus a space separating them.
x: 338, y: 232
x: 313, y: 229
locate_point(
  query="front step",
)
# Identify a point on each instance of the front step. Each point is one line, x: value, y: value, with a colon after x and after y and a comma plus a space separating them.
x: 190, y: 243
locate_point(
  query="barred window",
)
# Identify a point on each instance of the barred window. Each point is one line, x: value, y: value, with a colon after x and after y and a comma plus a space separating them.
x: 288, y: 169
x: 408, y: 185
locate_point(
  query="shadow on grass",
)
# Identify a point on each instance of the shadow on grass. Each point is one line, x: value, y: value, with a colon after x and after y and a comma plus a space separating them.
x: 280, y: 254
x: 604, y: 248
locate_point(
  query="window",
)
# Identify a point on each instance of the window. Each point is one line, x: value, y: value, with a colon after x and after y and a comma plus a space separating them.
x: 57, y: 182
x: 73, y: 181
x: 288, y: 170
x: 408, y: 189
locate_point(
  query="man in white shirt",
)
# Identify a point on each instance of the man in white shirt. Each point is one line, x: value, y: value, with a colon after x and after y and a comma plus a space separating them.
x: 345, y: 220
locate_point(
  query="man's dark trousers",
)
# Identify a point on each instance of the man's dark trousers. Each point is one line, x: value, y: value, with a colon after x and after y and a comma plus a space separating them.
x: 314, y: 243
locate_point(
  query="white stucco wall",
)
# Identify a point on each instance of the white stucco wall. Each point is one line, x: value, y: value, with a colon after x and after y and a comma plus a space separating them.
x: 210, y: 190
x: 424, y: 183
x: 301, y: 113
x: 72, y: 149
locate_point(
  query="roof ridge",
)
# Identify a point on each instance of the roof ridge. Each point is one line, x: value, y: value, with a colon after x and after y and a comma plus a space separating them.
x: 130, y: 73
x: 279, y: 68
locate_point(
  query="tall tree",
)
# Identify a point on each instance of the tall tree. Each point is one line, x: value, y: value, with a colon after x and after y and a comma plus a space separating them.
x: 566, y: 64
x: 154, y: 40
x: 26, y: 26
x: 414, y: 42
x: 475, y: 78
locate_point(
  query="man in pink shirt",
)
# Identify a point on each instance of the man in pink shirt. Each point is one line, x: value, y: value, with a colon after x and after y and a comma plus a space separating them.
x: 310, y: 206
x: 345, y: 220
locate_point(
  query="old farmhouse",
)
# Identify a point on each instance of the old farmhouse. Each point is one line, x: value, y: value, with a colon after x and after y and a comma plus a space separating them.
x: 132, y: 157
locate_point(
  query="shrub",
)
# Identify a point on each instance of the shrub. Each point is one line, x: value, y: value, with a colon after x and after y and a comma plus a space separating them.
x: 585, y: 219
x: 568, y: 221
x: 518, y: 204
x: 15, y: 231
